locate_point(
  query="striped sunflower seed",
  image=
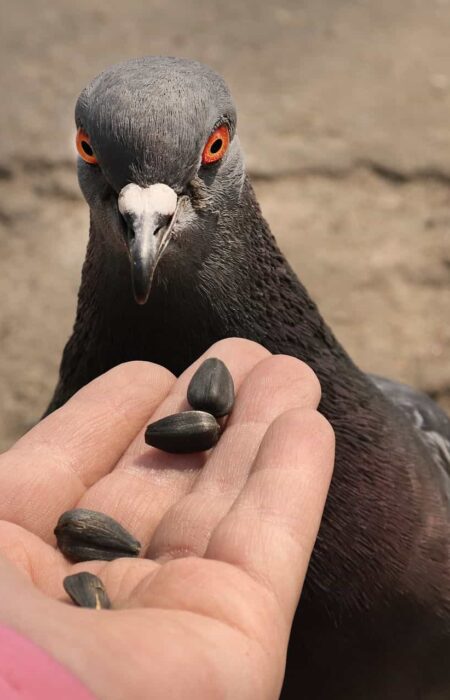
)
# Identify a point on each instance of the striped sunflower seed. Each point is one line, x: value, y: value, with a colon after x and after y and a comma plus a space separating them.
x: 211, y: 388
x: 83, y: 535
x: 87, y: 590
x: 189, y: 431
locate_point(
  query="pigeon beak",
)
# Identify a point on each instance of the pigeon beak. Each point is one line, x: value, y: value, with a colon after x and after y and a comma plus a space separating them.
x: 149, y: 213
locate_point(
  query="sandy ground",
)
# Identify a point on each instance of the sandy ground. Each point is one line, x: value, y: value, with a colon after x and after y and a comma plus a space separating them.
x: 343, y: 114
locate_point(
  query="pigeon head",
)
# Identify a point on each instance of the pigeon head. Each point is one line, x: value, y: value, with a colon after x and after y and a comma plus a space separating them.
x: 159, y: 160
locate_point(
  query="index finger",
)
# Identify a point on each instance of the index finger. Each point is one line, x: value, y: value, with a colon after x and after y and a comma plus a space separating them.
x: 47, y: 471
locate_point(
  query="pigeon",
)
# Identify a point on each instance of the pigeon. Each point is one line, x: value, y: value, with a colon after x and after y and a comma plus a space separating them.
x: 180, y: 256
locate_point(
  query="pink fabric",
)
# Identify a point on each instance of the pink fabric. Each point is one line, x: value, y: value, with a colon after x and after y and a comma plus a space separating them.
x: 29, y: 673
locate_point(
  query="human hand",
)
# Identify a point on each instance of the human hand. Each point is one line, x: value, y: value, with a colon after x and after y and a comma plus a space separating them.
x: 229, y: 533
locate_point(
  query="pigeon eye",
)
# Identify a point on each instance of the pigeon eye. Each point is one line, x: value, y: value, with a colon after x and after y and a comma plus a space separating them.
x: 216, y: 145
x: 84, y: 147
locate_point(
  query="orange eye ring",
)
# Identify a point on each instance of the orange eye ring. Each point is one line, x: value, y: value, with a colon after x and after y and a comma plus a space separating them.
x: 216, y: 145
x: 84, y: 147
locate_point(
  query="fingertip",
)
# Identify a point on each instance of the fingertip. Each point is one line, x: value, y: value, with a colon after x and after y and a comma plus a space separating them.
x: 274, y: 385
x: 301, y: 379
x: 238, y: 346
x: 128, y: 375
x: 311, y: 434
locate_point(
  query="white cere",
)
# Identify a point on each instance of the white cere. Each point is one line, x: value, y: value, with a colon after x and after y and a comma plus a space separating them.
x: 147, y: 201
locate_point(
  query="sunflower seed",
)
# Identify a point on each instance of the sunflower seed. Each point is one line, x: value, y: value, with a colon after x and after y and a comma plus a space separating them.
x: 211, y: 388
x: 190, y: 431
x: 83, y: 535
x: 87, y: 591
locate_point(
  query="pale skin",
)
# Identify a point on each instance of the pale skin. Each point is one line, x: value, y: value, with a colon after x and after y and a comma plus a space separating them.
x: 226, y: 535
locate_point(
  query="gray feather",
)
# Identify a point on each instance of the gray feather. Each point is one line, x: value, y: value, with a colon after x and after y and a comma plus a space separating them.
x: 430, y: 421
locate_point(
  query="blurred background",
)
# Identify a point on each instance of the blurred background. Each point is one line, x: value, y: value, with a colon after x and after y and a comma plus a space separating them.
x: 344, y: 115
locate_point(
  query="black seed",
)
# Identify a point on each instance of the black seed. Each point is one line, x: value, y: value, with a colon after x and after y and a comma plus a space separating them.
x: 87, y: 591
x: 190, y: 431
x: 83, y: 535
x: 211, y: 388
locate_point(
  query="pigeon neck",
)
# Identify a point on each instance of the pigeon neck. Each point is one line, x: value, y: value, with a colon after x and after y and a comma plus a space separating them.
x: 258, y: 296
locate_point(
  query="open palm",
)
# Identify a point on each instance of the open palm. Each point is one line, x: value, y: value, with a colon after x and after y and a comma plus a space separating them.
x: 226, y: 535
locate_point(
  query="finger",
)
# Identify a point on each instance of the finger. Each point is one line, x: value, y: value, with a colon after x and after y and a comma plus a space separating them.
x: 147, y: 481
x: 50, y: 468
x: 40, y: 562
x: 271, y: 528
x: 274, y: 386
